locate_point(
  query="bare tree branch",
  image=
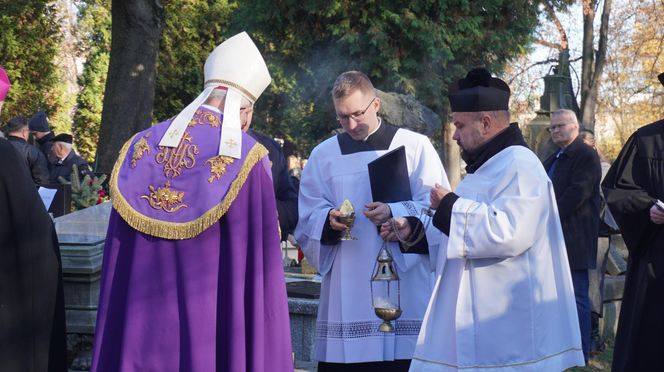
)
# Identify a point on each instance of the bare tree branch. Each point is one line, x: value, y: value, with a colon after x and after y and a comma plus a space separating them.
x: 561, y: 30
x: 549, y: 44
x: 525, y: 69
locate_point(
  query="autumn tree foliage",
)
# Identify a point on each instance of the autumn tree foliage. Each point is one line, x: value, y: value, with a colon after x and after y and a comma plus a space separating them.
x: 631, y: 95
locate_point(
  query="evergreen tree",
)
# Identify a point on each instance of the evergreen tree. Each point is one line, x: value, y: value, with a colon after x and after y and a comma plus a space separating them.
x: 28, y: 45
x: 95, y: 40
x: 192, y: 30
x: 416, y: 47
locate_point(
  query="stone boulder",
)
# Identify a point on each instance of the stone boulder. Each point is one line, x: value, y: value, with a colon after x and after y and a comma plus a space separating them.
x: 405, y: 111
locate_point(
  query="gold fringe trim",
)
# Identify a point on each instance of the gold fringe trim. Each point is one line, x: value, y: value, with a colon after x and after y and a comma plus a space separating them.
x: 180, y: 230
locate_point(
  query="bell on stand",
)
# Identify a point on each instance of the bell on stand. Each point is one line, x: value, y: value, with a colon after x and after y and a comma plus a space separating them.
x: 385, y: 288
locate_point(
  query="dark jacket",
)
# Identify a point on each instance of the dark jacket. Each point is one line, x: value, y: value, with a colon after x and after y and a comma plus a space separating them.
x: 32, y: 310
x: 35, y: 160
x: 284, y: 191
x: 576, y: 184
x: 63, y: 168
x: 45, y: 144
x: 631, y: 187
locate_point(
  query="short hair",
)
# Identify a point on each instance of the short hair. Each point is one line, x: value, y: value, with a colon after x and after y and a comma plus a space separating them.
x: 349, y: 82
x: 567, y: 112
x: 16, y: 124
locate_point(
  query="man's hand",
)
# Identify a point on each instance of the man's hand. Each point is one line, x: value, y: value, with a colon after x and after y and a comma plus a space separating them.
x: 334, y: 221
x: 387, y: 230
x: 377, y: 212
x: 437, y: 194
x: 657, y: 214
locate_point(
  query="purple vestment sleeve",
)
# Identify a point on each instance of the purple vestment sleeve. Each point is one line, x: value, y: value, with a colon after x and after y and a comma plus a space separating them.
x: 214, y: 302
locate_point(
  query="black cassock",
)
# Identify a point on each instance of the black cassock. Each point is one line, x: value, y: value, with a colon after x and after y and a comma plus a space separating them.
x: 633, y: 183
x: 32, y: 314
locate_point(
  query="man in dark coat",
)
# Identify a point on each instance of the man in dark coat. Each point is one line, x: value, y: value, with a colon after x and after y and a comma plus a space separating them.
x: 66, y: 158
x: 43, y: 135
x: 32, y: 314
x: 632, y: 187
x: 17, y: 133
x: 575, y: 171
x: 284, y: 190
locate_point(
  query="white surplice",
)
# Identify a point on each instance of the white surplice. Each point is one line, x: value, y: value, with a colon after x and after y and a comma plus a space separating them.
x: 503, y: 298
x: 347, y: 327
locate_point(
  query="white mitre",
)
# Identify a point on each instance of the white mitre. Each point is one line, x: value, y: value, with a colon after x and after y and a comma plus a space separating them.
x: 237, y: 65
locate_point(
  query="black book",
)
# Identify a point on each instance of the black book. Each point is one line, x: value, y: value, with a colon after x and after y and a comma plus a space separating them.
x: 388, y: 176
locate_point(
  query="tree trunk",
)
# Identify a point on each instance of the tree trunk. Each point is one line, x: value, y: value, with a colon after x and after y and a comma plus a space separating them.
x: 592, y: 64
x: 128, y: 101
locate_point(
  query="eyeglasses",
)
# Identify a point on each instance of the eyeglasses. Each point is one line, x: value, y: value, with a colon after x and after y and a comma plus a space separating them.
x: 556, y: 127
x: 357, y: 116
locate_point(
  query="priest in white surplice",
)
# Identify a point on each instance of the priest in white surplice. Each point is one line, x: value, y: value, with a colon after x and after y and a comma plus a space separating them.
x: 347, y: 336
x: 503, y: 298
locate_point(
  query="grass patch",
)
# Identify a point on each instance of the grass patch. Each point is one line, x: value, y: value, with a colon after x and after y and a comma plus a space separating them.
x: 600, y: 362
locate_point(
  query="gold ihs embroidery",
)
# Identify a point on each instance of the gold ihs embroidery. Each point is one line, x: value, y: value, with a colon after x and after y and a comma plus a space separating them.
x: 176, y: 158
x: 204, y: 117
x: 218, y: 166
x: 140, y: 148
x: 165, y: 199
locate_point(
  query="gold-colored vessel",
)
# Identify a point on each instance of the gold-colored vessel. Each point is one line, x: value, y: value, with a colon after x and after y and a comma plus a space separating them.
x: 387, y: 315
x: 386, y: 290
x: 348, y: 221
x: 347, y: 218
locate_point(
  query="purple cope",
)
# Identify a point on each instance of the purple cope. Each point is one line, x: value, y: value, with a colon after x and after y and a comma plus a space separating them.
x: 192, y: 278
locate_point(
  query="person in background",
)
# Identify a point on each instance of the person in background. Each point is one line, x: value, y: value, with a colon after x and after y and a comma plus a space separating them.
x: 43, y: 135
x: 17, y: 134
x: 607, y: 228
x: 284, y: 189
x: 66, y: 157
x: 294, y: 170
x: 634, y: 189
x: 575, y: 171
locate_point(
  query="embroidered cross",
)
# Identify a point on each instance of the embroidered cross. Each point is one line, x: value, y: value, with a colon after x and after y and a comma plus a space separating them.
x: 173, y: 134
x: 231, y: 143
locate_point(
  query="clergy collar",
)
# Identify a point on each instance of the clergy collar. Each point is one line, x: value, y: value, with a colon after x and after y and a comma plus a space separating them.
x: 511, y: 136
x: 380, y: 121
x: 379, y: 139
